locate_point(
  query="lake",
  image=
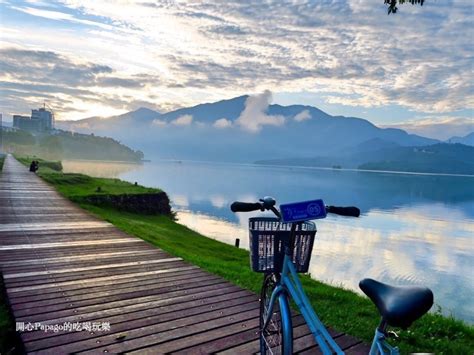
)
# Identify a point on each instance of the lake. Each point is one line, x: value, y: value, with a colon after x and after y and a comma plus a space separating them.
x: 414, y: 229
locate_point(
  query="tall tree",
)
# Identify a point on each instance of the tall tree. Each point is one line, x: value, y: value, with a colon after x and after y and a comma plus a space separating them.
x: 392, y: 4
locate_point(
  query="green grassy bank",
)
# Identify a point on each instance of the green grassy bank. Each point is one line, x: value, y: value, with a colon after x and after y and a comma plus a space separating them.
x: 341, y: 309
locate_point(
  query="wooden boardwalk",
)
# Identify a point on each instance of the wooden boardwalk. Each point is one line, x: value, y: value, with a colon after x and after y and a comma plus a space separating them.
x: 62, y: 266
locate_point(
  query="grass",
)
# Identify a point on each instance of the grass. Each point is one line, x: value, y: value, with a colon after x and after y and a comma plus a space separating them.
x: 342, y: 309
x: 79, y: 185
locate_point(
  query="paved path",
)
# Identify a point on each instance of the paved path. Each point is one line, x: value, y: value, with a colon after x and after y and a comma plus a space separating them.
x: 62, y: 266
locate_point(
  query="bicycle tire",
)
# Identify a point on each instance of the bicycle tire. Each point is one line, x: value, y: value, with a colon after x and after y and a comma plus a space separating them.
x: 273, y: 339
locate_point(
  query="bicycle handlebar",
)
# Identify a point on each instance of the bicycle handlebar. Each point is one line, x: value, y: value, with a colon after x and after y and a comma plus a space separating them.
x: 246, y: 207
x: 268, y: 204
x: 344, y: 211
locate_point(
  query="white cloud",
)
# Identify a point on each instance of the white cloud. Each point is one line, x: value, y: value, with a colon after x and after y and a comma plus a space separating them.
x: 184, y: 120
x: 302, y: 116
x: 254, y: 116
x: 59, y: 16
x: 349, y: 51
x: 158, y: 122
x: 218, y: 201
x: 222, y: 123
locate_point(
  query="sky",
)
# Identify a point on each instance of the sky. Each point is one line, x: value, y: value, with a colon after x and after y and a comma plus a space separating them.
x: 412, y: 70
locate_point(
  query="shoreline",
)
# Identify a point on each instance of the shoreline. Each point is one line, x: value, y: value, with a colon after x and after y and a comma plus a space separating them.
x: 303, y: 167
x: 133, y: 162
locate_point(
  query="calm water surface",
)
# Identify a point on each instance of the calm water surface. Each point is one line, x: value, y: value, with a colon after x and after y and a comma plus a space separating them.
x: 414, y: 229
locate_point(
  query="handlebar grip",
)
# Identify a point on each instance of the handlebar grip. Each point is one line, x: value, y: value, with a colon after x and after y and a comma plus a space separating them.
x: 344, y: 211
x: 245, y: 207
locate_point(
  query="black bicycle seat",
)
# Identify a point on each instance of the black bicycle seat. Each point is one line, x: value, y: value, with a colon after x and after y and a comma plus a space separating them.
x: 398, y: 306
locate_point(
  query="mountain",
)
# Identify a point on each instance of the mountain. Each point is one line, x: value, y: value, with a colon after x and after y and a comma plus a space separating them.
x: 437, y: 158
x: 68, y: 145
x: 468, y: 139
x: 244, y: 129
x: 210, y: 112
x: 89, y: 125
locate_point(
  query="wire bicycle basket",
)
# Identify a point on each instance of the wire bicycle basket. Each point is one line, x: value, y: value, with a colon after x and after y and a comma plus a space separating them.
x: 267, y: 239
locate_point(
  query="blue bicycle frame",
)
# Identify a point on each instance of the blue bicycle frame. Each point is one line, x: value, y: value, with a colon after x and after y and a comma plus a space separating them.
x: 379, y: 344
x: 291, y: 285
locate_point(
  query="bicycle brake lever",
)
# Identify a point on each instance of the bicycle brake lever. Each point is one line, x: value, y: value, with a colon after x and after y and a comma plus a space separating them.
x: 392, y: 334
x: 276, y: 212
x: 268, y: 202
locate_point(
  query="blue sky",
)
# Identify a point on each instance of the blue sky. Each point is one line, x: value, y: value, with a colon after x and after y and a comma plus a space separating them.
x: 99, y: 58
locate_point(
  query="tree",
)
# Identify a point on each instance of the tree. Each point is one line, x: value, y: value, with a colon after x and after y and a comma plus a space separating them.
x: 392, y: 4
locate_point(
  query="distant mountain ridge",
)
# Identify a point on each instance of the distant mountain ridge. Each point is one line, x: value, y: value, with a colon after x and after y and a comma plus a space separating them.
x: 291, y: 131
x: 231, y: 109
x: 91, y: 124
x: 467, y: 139
x: 437, y: 158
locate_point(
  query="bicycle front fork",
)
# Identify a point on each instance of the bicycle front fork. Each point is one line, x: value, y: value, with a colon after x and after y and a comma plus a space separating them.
x: 279, y: 295
x: 380, y: 345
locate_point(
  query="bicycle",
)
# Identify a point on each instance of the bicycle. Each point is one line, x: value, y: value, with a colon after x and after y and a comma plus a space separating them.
x: 281, y: 248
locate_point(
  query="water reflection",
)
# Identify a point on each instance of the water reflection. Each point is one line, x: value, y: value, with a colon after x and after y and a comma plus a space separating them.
x: 411, y: 251
x: 215, y: 228
x: 99, y: 169
x: 415, y: 229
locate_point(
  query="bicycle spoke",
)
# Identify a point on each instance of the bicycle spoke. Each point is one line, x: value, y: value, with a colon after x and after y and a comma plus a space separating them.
x: 271, y: 338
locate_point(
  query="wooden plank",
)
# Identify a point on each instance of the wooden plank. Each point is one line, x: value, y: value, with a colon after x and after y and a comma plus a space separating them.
x: 164, y: 339
x: 164, y: 320
x: 176, y: 283
x: 58, y: 271
x: 47, y: 280
x: 124, y: 305
x: 73, y: 290
x: 232, y: 341
x: 343, y: 340
x: 49, y: 307
x: 358, y: 349
x: 96, y: 280
x: 203, y: 302
x: 68, y: 244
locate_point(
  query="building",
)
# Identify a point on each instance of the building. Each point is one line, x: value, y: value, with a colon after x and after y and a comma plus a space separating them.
x: 44, y: 117
x: 25, y: 123
x: 40, y: 120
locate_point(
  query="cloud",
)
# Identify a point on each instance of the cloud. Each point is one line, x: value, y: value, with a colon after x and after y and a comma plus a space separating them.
x: 158, y: 122
x: 253, y: 117
x: 302, y: 116
x: 29, y: 77
x: 58, y: 16
x: 120, y: 82
x: 348, y: 52
x: 222, y: 123
x: 219, y: 201
x: 184, y: 120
